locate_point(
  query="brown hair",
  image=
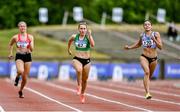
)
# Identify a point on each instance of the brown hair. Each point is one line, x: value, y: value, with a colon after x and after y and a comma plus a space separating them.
x: 148, y: 21
x: 82, y: 23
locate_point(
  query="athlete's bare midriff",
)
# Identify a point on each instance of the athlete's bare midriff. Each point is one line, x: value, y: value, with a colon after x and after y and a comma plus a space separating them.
x: 150, y: 52
x: 22, y: 50
x: 82, y: 54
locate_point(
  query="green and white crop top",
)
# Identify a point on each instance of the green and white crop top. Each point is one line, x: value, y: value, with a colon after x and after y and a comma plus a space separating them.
x: 82, y: 45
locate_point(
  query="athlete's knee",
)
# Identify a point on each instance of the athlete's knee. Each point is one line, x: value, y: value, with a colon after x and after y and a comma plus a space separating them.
x: 79, y: 70
x: 20, y: 71
x: 84, y: 81
x: 84, y: 78
x: 24, y: 77
x: 147, y: 73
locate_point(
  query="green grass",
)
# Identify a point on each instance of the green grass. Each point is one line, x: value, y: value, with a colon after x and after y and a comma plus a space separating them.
x: 45, y: 48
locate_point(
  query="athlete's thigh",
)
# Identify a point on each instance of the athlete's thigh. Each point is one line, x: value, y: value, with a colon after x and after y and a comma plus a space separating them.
x: 20, y: 65
x: 86, y: 69
x: 27, y: 67
x: 144, y: 63
x: 77, y: 65
x: 152, y: 66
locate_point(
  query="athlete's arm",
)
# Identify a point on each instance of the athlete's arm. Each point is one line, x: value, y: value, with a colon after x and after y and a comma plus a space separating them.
x: 32, y: 43
x: 71, y: 39
x: 135, y: 45
x: 91, y: 38
x: 10, y: 47
x: 157, y: 40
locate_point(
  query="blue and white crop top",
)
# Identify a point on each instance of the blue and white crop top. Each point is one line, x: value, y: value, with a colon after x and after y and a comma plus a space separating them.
x: 147, y: 42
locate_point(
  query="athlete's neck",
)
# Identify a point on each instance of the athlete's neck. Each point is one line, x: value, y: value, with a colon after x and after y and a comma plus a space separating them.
x: 81, y: 36
x: 148, y: 32
x: 23, y: 34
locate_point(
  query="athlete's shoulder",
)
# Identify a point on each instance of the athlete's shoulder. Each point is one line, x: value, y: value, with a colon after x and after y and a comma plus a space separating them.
x: 31, y: 37
x: 156, y: 34
x: 74, y: 35
x: 15, y: 36
x: 141, y: 34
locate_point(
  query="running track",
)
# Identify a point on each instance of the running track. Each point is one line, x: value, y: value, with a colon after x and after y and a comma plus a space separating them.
x: 57, y: 95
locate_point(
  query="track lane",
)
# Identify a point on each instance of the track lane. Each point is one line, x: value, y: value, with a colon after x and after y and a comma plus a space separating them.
x: 163, y: 105
x: 31, y: 102
x: 101, y: 96
x: 92, y: 104
x: 161, y: 94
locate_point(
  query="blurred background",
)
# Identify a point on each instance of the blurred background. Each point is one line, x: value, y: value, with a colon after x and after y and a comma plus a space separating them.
x: 114, y: 23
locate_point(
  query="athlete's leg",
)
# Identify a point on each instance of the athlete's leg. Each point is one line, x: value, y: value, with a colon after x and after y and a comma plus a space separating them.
x: 145, y: 65
x: 152, y: 67
x: 85, y: 74
x: 78, y: 67
x: 20, y: 70
x: 27, y: 66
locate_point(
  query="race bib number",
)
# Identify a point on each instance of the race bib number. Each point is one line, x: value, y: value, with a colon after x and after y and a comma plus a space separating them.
x: 148, y: 43
x: 81, y: 44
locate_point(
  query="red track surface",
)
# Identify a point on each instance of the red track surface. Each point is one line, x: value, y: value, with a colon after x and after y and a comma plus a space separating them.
x: 100, y: 96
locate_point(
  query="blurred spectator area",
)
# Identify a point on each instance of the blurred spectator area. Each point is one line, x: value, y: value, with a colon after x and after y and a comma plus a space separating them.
x: 172, y: 32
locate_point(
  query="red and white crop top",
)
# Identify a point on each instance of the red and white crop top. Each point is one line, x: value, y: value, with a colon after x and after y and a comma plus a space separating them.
x: 23, y: 43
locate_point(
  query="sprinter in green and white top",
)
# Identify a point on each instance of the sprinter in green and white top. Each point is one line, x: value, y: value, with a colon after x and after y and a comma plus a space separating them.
x: 81, y: 45
x: 83, y: 41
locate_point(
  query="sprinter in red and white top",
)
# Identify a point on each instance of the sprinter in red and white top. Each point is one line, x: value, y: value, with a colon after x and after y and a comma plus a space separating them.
x: 25, y: 45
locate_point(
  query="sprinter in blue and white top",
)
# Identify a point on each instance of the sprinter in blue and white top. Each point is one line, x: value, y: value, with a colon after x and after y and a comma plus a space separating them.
x: 147, y: 41
x: 150, y: 41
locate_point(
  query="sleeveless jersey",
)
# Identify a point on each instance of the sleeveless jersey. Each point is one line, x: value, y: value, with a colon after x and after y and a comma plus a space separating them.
x: 147, y: 42
x: 82, y: 45
x: 23, y: 43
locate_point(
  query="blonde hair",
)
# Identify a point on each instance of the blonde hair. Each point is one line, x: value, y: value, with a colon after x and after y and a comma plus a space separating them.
x: 21, y: 22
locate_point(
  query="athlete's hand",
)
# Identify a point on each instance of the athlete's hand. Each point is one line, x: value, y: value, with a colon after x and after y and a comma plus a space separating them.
x: 126, y: 47
x: 153, y: 38
x: 10, y: 57
x: 89, y: 32
x: 69, y: 52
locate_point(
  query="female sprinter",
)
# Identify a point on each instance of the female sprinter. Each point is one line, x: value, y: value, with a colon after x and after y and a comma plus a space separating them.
x: 25, y: 44
x: 83, y: 41
x: 150, y: 41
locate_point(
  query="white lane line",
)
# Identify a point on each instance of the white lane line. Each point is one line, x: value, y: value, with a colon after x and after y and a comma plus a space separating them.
x: 177, y: 85
x: 51, y: 99
x: 97, y: 97
x: 36, y: 92
x: 130, y: 94
x: 142, y: 90
x: 1, y: 109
